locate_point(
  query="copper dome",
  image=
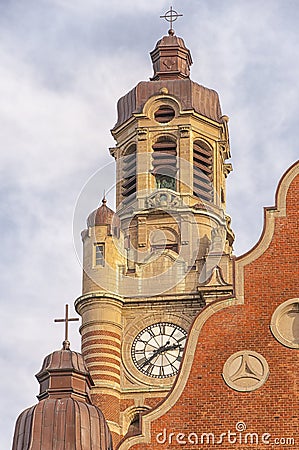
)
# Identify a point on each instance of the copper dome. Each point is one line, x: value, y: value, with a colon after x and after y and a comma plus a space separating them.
x: 191, y: 95
x: 170, y: 41
x: 64, y: 373
x: 171, y: 64
x: 64, y: 418
x: 64, y: 424
x: 103, y: 216
x: 64, y: 359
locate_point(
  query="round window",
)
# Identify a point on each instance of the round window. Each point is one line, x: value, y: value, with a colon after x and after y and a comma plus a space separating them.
x: 164, y: 114
x: 285, y: 323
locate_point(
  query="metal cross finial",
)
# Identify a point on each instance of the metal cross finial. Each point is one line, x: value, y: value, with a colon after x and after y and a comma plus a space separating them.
x: 67, y: 319
x: 171, y: 16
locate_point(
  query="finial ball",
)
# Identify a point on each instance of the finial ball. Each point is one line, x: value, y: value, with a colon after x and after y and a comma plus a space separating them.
x: 225, y: 118
x: 66, y: 345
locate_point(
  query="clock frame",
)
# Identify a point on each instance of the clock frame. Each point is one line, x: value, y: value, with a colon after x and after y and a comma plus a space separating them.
x: 157, y: 350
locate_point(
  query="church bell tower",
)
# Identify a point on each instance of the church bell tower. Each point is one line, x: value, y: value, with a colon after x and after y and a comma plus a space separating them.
x: 165, y: 253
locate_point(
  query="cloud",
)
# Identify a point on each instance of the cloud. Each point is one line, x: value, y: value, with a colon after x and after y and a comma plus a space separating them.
x: 63, y: 66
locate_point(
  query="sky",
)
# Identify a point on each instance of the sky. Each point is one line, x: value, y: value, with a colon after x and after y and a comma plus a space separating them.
x: 63, y: 66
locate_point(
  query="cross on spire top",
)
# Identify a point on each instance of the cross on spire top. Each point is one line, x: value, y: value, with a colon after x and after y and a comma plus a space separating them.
x: 171, y: 16
x: 67, y: 319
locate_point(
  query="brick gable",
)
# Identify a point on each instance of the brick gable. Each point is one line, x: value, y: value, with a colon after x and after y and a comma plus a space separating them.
x: 200, y: 401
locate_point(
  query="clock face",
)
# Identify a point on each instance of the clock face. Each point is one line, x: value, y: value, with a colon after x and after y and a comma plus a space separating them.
x: 158, y: 349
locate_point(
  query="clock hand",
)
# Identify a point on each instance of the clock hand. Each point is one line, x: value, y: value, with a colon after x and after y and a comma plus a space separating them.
x: 171, y: 347
x: 147, y: 361
x: 162, y: 348
x: 155, y: 353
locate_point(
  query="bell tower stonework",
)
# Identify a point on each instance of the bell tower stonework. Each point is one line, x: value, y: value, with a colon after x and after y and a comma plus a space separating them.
x: 165, y: 254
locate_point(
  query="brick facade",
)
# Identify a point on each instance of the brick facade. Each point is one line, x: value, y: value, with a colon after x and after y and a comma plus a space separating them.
x: 201, y: 401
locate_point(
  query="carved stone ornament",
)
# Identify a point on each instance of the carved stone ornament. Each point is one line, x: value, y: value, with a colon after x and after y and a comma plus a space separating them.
x: 218, y: 239
x: 164, y: 199
x: 285, y: 323
x: 184, y: 131
x: 245, y: 371
x: 227, y: 169
x: 142, y: 134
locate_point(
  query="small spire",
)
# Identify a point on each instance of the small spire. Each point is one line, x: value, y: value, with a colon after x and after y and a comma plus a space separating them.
x: 171, y: 58
x: 171, y: 16
x: 104, y: 200
x: 66, y: 343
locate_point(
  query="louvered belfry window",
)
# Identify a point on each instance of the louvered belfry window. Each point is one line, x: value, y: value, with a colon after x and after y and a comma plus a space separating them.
x: 129, y: 173
x: 202, y: 171
x: 164, y: 114
x: 165, y: 163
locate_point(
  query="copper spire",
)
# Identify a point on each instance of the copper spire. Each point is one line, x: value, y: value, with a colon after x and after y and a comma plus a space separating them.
x: 66, y: 320
x: 171, y: 58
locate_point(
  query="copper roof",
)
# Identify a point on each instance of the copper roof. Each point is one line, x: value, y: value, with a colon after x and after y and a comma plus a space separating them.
x: 64, y: 418
x: 171, y: 64
x: 64, y: 373
x: 64, y: 359
x: 64, y: 424
x: 191, y: 95
x: 171, y: 58
x: 103, y: 216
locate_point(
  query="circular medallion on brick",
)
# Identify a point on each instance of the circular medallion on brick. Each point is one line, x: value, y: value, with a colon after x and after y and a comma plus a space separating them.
x: 285, y: 323
x: 245, y: 371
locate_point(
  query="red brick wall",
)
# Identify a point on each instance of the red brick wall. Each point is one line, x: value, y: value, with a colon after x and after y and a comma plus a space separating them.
x: 207, y: 404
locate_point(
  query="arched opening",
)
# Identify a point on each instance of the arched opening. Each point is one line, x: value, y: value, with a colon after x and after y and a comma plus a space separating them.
x: 202, y: 171
x: 129, y: 173
x: 135, y: 420
x: 165, y: 163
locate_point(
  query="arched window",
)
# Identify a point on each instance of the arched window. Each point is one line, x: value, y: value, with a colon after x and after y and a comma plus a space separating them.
x: 164, y: 163
x: 134, y: 417
x: 202, y: 171
x: 129, y: 173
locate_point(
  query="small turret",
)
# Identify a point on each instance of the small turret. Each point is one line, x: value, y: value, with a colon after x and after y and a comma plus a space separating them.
x: 171, y: 58
x: 64, y: 418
